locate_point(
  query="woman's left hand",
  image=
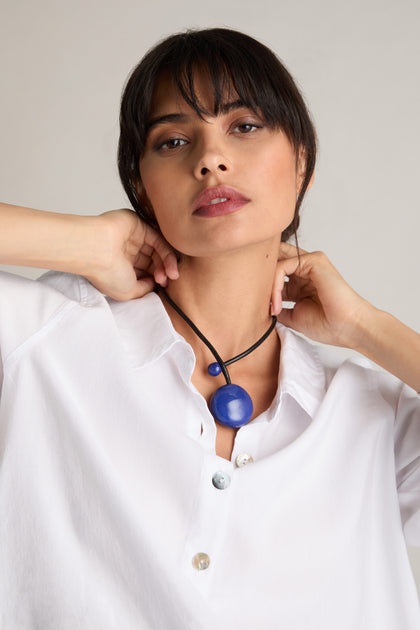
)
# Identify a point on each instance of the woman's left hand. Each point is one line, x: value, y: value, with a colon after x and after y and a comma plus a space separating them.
x: 326, y: 308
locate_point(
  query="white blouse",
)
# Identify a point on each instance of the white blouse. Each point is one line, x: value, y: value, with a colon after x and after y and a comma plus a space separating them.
x: 116, y: 513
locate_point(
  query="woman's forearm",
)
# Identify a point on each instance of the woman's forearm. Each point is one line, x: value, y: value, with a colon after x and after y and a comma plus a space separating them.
x: 48, y: 240
x: 392, y: 345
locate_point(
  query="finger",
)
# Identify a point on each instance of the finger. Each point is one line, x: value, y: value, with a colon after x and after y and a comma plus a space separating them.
x: 288, y: 266
x: 141, y: 287
x: 284, y: 268
x: 287, y: 250
x: 165, y: 251
x: 166, y: 267
x: 297, y: 289
x: 277, y: 291
x: 148, y: 260
x: 160, y: 276
x: 158, y: 270
x: 170, y: 263
x: 144, y: 260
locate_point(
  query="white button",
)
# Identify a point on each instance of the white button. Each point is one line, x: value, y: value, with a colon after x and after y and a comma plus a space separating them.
x: 243, y: 459
x: 201, y: 561
x: 221, y: 480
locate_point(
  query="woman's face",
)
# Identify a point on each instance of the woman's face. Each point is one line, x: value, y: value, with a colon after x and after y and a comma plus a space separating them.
x: 219, y: 184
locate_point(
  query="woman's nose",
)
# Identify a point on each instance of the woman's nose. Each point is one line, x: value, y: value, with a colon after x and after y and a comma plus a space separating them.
x: 204, y: 169
x: 211, y: 159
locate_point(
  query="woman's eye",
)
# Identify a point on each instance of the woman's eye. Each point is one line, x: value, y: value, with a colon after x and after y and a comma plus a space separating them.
x: 171, y: 143
x: 246, y: 127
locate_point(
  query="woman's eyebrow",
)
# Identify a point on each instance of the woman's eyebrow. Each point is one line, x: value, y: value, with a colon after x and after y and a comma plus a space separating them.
x: 167, y: 118
x: 224, y: 108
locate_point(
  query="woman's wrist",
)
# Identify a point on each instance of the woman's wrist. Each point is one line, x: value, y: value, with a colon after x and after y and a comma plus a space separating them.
x: 88, y: 247
x: 369, y: 331
x: 392, y: 345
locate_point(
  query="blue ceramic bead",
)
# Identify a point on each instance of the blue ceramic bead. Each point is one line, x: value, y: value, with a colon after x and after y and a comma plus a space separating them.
x: 214, y: 369
x: 231, y: 405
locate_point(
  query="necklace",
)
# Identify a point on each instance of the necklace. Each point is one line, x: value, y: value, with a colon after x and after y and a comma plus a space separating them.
x: 231, y: 405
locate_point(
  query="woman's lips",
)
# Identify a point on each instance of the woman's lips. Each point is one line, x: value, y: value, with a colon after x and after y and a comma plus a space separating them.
x: 222, y: 207
x: 214, y: 202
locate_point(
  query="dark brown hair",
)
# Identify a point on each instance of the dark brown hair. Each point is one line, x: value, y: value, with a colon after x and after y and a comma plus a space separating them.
x: 233, y: 60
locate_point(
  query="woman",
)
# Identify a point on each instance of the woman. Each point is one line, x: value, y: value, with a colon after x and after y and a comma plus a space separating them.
x: 137, y: 493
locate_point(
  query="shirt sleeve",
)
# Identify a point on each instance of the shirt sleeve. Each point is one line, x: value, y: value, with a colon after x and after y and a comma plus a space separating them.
x: 407, y: 462
x: 26, y: 306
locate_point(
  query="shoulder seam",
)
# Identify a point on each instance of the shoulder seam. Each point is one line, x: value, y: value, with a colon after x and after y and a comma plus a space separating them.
x: 87, y: 293
x: 57, y: 317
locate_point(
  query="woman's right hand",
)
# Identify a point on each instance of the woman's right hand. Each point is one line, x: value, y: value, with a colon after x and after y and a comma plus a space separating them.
x: 133, y: 257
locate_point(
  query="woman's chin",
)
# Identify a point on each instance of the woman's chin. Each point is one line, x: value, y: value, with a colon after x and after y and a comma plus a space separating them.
x: 224, y: 247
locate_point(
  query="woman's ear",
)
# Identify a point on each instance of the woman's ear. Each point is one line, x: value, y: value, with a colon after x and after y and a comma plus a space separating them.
x: 146, y: 208
x: 143, y: 198
x: 301, y: 171
x: 139, y: 188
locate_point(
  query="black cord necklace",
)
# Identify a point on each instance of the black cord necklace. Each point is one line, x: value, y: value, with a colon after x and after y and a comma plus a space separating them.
x: 231, y: 405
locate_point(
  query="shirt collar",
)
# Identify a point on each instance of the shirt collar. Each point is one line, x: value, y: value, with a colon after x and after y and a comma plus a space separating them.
x: 145, y: 328
x: 301, y: 374
x: 147, y: 334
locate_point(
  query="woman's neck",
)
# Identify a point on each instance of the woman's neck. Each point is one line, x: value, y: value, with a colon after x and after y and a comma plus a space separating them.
x: 227, y: 297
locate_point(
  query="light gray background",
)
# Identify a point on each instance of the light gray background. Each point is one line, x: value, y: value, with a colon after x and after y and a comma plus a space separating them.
x: 63, y: 65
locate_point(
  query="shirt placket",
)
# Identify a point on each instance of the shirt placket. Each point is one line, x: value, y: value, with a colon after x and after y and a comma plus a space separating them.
x: 209, y: 522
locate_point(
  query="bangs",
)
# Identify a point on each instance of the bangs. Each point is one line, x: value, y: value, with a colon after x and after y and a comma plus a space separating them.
x: 228, y: 80
x: 236, y: 69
